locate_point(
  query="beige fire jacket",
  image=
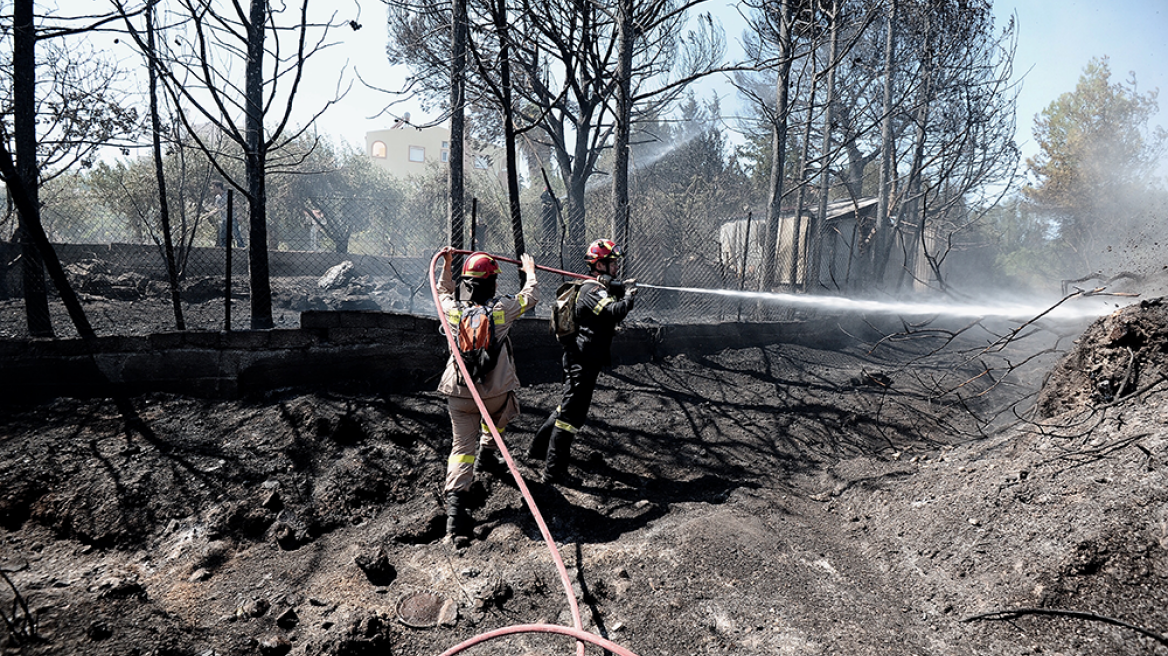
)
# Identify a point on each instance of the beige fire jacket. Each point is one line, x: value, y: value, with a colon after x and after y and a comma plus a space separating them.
x: 503, y: 378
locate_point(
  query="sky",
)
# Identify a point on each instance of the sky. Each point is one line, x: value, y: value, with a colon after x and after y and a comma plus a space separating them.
x: 1056, y: 40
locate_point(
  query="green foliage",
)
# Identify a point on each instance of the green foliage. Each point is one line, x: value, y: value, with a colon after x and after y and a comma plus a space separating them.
x: 1026, y: 258
x: 126, y: 195
x: 1096, y: 155
x: 686, y: 192
x: 335, y: 198
x: 80, y: 105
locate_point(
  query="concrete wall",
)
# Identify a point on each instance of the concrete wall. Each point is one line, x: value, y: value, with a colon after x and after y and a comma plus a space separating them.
x: 392, y: 352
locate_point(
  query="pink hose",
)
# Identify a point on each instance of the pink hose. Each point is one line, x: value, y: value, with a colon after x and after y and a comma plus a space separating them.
x: 582, y: 636
x: 578, y: 632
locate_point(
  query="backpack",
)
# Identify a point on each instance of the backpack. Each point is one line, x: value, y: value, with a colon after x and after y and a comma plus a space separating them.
x: 476, y: 341
x: 563, y: 323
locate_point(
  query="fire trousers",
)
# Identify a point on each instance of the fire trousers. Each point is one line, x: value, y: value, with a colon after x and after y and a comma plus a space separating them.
x: 579, y: 385
x: 469, y: 431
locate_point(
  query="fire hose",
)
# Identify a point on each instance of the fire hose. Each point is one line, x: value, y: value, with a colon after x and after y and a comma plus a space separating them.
x: 578, y: 628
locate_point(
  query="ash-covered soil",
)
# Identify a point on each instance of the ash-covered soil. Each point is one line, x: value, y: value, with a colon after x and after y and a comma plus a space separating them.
x: 896, y: 498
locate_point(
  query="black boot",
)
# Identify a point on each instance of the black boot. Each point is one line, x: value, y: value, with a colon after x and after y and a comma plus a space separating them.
x: 488, y: 462
x: 539, y: 443
x: 458, y: 522
x: 558, y: 454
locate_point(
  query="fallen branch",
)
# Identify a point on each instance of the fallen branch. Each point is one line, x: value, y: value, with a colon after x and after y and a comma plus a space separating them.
x: 21, y: 624
x: 1076, y: 614
x: 1088, y: 455
x: 1140, y: 392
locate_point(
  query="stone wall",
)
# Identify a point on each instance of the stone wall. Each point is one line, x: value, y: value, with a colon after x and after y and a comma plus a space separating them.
x: 392, y: 352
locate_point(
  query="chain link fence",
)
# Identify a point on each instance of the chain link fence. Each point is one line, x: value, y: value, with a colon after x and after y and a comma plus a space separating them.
x: 378, y: 259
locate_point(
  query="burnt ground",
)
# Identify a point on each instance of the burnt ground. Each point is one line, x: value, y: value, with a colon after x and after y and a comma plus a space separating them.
x: 898, y: 497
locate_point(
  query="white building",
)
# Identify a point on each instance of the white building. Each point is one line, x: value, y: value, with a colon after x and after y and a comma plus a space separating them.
x: 407, y: 150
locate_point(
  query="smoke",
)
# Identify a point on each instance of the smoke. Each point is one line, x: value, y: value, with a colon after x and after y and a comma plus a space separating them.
x: 1129, y: 247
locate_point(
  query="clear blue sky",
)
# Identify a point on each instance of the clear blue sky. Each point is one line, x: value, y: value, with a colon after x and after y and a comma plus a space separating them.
x: 1057, y: 38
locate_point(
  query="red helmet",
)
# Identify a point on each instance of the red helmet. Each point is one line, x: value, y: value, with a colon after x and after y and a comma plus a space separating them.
x: 480, y: 265
x: 602, y: 249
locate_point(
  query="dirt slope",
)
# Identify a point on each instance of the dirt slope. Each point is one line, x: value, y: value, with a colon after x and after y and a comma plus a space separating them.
x: 783, y: 500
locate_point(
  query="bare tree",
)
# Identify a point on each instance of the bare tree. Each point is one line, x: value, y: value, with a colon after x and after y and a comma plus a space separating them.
x: 458, y: 47
x: 819, y: 226
x: 650, y: 87
x: 160, y: 177
x: 777, y: 19
x: 55, y: 127
x: 210, y: 46
x: 925, y: 93
x: 562, y: 72
x: 879, y: 239
x: 495, y: 71
x: 959, y: 150
x: 36, y: 301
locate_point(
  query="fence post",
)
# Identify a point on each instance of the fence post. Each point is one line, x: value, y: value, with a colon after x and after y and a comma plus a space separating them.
x: 230, y: 218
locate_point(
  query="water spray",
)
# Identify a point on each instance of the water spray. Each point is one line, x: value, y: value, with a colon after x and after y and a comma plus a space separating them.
x: 1055, y: 310
x: 1058, y: 309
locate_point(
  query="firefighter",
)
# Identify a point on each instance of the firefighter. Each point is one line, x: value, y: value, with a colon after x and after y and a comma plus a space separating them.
x: 600, y: 306
x: 498, y: 387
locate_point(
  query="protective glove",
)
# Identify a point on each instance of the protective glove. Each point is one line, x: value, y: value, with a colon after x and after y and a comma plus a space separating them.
x: 614, y: 287
x: 630, y: 287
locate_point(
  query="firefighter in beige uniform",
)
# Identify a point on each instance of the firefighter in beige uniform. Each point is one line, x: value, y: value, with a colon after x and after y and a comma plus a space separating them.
x: 497, y: 391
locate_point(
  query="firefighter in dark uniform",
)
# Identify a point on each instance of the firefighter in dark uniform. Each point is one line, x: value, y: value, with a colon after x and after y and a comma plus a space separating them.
x: 601, y: 305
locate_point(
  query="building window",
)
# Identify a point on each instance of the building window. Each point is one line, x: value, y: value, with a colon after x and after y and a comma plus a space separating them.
x: 417, y: 154
x: 445, y: 156
x: 378, y: 149
x: 482, y: 162
x: 445, y: 144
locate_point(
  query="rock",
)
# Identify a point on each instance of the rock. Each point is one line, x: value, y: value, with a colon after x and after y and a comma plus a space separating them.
x: 254, y: 608
x: 357, y: 303
x: 285, y: 536
x: 288, y: 619
x: 202, y: 289
x: 272, y: 501
x: 98, y: 631
x: 423, y: 527
x: 377, y: 567
x: 494, y: 593
x: 121, y: 587
x: 359, y: 632
x: 337, y: 277
x: 276, y: 645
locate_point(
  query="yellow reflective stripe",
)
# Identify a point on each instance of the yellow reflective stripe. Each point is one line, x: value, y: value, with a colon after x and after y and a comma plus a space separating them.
x: 487, y: 431
x: 563, y: 425
x: 522, y: 304
x: 453, y: 315
x: 499, y: 316
x: 601, y: 305
x: 462, y: 460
